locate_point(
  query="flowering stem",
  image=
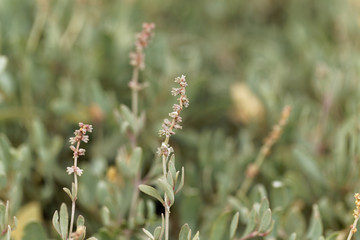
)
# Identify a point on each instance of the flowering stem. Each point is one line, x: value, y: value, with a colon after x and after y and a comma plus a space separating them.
x: 134, y: 92
x: 77, y: 151
x: 134, y: 105
x: 353, y: 229
x: 74, y: 194
x: 356, y: 215
x: 137, y: 61
x: 264, y: 151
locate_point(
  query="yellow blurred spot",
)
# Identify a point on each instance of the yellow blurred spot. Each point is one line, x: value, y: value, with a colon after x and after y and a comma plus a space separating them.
x: 247, y: 106
x: 30, y: 212
x: 112, y: 174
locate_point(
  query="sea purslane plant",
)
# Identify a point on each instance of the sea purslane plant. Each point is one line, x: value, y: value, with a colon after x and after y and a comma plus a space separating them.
x: 169, y: 182
x: 62, y: 226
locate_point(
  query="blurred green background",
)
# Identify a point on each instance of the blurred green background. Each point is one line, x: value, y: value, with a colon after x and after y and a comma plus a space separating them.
x: 67, y: 61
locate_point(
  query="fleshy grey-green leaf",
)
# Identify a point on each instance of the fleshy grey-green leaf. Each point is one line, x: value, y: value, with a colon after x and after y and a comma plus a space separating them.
x: 151, y: 192
x: 68, y: 193
x: 265, y: 221
x: 55, y: 222
x: 64, y: 221
x: 234, y: 225
x: 165, y: 186
x: 184, y: 232
x: 250, y: 226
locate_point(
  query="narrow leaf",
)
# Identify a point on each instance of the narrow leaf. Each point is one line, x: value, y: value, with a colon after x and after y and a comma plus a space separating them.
x: 170, y: 179
x: 263, y: 207
x: 292, y: 236
x: 8, y: 233
x: 136, y: 159
x: 148, y: 234
x: 250, y: 226
x: 68, y: 193
x: 184, y: 232
x: 157, y: 233
x: 64, y: 221
x: 151, y: 192
x: 181, y: 185
x: 128, y: 116
x: 80, y: 221
x: 265, y: 221
x: 105, y: 216
x: 171, y: 166
x: 316, y: 228
x: 55, y: 222
x: 165, y: 186
x: 197, y: 236
x: 234, y: 225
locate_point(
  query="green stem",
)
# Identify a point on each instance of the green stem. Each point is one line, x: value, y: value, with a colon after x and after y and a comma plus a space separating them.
x: 74, y: 194
x: 248, y: 180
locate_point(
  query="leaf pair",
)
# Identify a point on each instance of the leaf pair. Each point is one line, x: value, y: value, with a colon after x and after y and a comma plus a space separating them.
x: 4, y: 221
x: 167, y: 185
x: 62, y: 225
x: 260, y: 222
x: 185, y: 233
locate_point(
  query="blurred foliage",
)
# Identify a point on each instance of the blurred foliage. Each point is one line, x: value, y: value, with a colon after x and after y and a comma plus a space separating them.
x: 67, y: 61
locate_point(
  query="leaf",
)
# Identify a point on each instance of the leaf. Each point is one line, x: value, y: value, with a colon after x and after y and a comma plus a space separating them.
x: 309, y: 166
x: 171, y: 166
x: 55, y: 222
x: 157, y: 233
x: 170, y: 179
x: 80, y: 221
x: 263, y: 207
x: 68, y: 193
x: 184, y: 232
x: 2, y: 215
x: 105, y: 215
x: 136, y: 160
x: 8, y: 232
x: 140, y: 218
x: 3, y: 63
x: 265, y: 221
x: 165, y: 186
x: 197, y: 236
x: 316, y: 228
x: 219, y: 227
x: 250, y: 226
x: 292, y: 236
x: 151, y: 192
x: 30, y: 212
x: 333, y: 236
x: 128, y: 117
x: 15, y: 223
x: 64, y: 221
x: 181, y: 185
x: 234, y: 225
x: 34, y: 230
x: 148, y: 234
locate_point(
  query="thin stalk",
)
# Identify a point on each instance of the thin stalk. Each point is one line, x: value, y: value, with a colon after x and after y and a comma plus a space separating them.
x: 134, y: 105
x: 167, y: 216
x: 74, y: 194
x: 167, y: 208
x: 135, y: 91
x: 247, y: 182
